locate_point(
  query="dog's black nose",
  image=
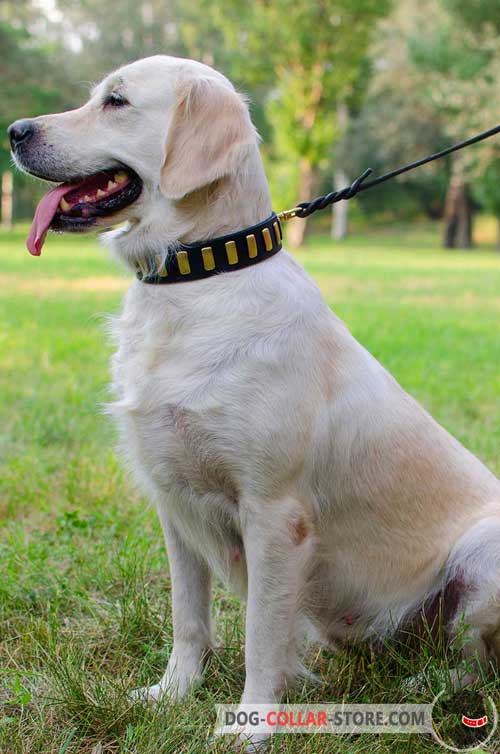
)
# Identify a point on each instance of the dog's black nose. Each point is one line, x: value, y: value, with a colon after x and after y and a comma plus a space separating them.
x: 20, y: 132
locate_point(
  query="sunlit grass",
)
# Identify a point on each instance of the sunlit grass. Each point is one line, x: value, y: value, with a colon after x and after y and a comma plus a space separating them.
x: 84, y: 598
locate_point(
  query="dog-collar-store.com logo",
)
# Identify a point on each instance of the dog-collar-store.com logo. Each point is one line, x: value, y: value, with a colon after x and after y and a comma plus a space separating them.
x: 464, y: 721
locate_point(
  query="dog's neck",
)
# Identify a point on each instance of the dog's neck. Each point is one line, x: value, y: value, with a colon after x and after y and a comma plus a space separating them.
x: 230, y: 204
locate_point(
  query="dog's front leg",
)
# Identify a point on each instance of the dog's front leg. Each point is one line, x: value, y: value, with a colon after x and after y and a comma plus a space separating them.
x: 278, y: 546
x: 277, y: 541
x: 190, y: 581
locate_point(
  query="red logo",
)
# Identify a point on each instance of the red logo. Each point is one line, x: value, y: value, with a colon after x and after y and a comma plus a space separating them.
x: 475, y: 722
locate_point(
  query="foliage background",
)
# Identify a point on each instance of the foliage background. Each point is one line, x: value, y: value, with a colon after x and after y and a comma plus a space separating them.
x: 335, y: 85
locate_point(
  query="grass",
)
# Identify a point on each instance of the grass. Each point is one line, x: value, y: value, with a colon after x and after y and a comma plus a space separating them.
x: 84, y: 595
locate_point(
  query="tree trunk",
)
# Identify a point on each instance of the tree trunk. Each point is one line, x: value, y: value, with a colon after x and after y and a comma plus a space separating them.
x: 7, y: 184
x: 458, y: 214
x: 296, y: 228
x: 340, y: 209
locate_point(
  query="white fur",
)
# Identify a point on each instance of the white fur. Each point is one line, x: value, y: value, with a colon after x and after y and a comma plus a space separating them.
x: 280, y: 454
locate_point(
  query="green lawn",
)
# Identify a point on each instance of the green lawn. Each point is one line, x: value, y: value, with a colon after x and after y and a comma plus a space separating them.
x: 84, y: 597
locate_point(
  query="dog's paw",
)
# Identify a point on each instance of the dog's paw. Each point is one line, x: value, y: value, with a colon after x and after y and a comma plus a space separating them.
x: 147, y: 694
x: 172, y: 688
x: 240, y: 740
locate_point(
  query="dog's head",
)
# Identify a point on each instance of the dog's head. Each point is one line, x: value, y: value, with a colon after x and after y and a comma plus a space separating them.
x: 153, y: 131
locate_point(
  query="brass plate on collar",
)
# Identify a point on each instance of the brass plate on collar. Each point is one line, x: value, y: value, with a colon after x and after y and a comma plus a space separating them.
x: 208, y: 258
x: 277, y: 231
x: 232, y: 252
x: 252, y: 246
x: 267, y: 239
x: 183, y: 262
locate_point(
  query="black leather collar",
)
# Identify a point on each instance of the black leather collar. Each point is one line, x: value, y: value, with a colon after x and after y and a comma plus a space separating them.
x: 224, y: 254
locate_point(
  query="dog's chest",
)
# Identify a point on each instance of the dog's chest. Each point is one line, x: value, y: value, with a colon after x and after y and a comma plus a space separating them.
x: 182, y: 448
x: 207, y: 400
x: 177, y: 432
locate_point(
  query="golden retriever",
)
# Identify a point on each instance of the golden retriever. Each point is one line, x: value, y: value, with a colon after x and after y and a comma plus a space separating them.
x: 280, y: 454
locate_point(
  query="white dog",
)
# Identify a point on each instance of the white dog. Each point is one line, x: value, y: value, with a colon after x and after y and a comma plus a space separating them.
x: 281, y: 456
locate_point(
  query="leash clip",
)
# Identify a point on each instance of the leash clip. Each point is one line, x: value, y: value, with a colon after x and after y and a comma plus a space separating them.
x: 287, y: 214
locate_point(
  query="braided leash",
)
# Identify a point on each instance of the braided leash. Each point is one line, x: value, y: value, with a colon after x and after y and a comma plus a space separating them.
x: 304, y: 209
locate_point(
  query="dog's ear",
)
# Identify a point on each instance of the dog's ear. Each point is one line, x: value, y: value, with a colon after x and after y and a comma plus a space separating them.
x: 210, y: 129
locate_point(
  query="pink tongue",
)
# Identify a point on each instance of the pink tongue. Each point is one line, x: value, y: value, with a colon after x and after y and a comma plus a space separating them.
x: 44, y: 214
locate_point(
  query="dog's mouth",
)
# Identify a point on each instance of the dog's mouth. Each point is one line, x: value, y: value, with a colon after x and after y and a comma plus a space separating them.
x: 77, y: 206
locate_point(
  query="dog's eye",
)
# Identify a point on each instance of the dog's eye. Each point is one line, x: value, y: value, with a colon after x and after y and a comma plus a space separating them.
x: 115, y: 100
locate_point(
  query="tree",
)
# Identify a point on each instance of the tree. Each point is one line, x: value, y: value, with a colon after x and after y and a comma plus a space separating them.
x: 454, y: 65
x: 306, y: 58
x: 33, y: 82
x: 436, y: 82
x: 482, y: 18
x: 110, y: 35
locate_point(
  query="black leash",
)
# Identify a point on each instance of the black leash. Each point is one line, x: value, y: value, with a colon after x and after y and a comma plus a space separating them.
x: 255, y: 244
x: 304, y: 209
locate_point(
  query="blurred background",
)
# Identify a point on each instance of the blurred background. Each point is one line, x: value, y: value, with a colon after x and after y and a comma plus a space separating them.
x: 335, y: 86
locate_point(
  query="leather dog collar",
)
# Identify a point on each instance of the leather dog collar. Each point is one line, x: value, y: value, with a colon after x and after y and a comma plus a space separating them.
x: 202, y: 260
